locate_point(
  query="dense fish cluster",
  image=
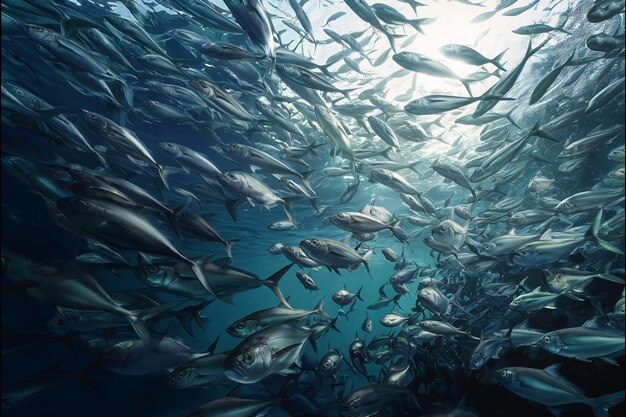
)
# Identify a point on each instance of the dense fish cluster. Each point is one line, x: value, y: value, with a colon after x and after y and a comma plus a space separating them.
x: 313, y: 208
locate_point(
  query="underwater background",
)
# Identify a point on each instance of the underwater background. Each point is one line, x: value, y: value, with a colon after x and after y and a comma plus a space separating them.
x: 440, y: 382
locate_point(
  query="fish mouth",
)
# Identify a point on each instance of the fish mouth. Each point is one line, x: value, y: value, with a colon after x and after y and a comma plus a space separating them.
x: 234, y: 370
x: 236, y: 374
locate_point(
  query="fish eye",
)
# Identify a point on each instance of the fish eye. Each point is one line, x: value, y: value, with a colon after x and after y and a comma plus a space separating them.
x: 240, y: 325
x: 503, y: 373
x: 19, y: 92
x: 152, y: 269
x: 38, y: 28
x: 181, y: 372
x: 92, y: 115
x: 547, y: 339
x: 523, y: 252
x: 231, y: 176
x: 248, y: 358
x: 233, y: 146
x: 315, y: 242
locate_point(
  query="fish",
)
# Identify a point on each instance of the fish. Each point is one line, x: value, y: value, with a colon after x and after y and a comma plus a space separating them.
x: 264, y: 353
x: 334, y: 254
x: 546, y: 386
x: 504, y: 84
x: 143, y: 142
x: 426, y: 65
x: 262, y: 319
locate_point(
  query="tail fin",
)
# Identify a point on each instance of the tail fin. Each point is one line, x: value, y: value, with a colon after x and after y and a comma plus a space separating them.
x: 333, y: 325
x: 231, y: 207
x: 531, y: 51
x: 592, y: 233
x: 187, y: 314
x: 173, y: 217
x: 602, y: 404
x: 417, y: 23
x: 319, y: 309
x: 366, y: 262
x: 467, y: 86
x: 510, y: 118
x: 164, y: 171
x: 286, y: 203
x: 497, y: 60
x: 358, y: 293
x: 391, y: 40
x: 228, y: 247
x: 412, y: 167
x: 385, y: 153
x: 272, y: 283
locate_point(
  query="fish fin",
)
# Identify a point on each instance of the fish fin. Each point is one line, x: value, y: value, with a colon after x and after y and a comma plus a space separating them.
x: 231, y: 207
x: 602, y: 404
x: 497, y: 60
x: 593, y: 234
x: 228, y: 246
x: 358, y: 294
x: 366, y: 262
x: 547, y: 235
x: 138, y: 324
x: 319, y: 309
x: 197, y: 271
x: 273, y: 280
x: 286, y: 350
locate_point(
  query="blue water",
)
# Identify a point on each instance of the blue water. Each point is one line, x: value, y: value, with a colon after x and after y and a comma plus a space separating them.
x: 28, y: 227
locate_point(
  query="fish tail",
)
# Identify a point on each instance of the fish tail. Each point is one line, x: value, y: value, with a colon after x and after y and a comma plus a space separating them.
x: 497, y: 61
x: 592, y: 234
x: 174, y: 215
x: 187, y: 315
x: 392, y: 41
x: 358, y: 293
x: 228, y: 247
x: 314, y: 203
x: 333, y: 325
x: 412, y: 167
x: 288, y: 212
x: 385, y: 153
x: 531, y: 51
x: 164, y: 172
x: 319, y: 309
x: 466, y: 84
x: 509, y: 117
x: 231, y: 207
x: 273, y: 280
x: 535, y: 131
x: 416, y: 23
x: 366, y: 262
x: 602, y: 404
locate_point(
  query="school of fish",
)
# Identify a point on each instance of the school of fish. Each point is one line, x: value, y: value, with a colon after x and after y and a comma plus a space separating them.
x: 455, y: 216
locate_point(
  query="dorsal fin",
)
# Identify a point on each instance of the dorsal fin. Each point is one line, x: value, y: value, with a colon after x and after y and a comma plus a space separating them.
x: 547, y: 235
x: 553, y: 370
x: 223, y: 262
x: 211, y: 349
